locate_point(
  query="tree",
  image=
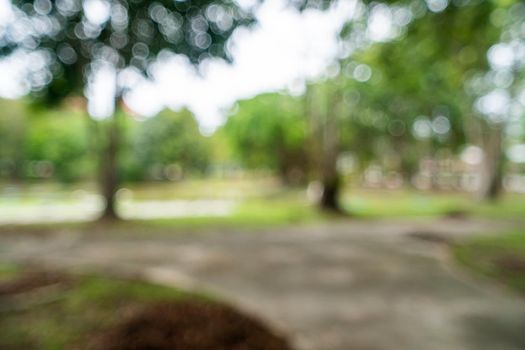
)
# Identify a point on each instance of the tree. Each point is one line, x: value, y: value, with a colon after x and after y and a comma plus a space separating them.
x: 56, y: 138
x: 456, y: 54
x: 325, y: 112
x: 70, y: 41
x: 269, y: 131
x: 448, y: 51
x: 170, y: 145
x: 12, y: 136
x: 399, y: 98
x: 42, y: 144
x: 437, y: 68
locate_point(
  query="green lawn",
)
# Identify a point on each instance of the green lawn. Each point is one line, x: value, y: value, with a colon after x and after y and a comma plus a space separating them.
x: 263, y: 203
x: 292, y: 207
x: 411, y: 203
x: 89, y: 305
x: 501, y: 257
x: 279, y: 206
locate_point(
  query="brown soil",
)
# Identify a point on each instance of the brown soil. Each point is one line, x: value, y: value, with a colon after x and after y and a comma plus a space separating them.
x: 189, y: 325
x: 456, y: 214
x: 31, y: 281
x: 432, y: 237
x: 510, y: 264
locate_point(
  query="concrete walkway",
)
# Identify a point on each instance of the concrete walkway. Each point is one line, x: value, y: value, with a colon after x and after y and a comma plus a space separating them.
x: 345, y: 286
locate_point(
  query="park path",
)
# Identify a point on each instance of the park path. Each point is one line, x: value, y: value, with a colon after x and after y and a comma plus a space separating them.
x: 340, y: 286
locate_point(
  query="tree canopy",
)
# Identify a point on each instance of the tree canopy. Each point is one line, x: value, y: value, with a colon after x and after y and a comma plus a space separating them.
x: 270, y: 131
x: 68, y: 39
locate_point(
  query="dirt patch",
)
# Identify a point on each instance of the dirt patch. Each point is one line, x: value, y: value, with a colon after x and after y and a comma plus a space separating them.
x: 428, y: 236
x: 189, y: 325
x: 31, y: 281
x: 456, y: 214
x: 510, y: 264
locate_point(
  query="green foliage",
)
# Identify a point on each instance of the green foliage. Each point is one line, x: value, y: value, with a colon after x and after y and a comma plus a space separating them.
x: 421, y: 76
x: 132, y: 35
x: 169, y: 146
x: 270, y: 132
x: 58, y: 145
x: 73, y: 45
x: 39, y: 145
x: 58, y: 139
x: 12, y: 135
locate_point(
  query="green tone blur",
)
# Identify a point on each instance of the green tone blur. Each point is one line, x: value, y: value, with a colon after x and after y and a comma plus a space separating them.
x: 425, y: 120
x: 76, y: 312
x: 56, y: 145
x: 434, y: 104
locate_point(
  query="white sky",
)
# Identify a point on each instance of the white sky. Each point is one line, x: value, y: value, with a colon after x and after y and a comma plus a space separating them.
x: 285, y: 48
x: 281, y: 51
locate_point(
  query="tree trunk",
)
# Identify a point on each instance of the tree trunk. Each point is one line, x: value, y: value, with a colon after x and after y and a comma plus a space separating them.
x: 492, y: 165
x: 329, y: 152
x: 15, y: 173
x: 109, y: 177
x: 330, y: 196
x: 19, y: 137
x: 291, y: 168
x: 322, y: 108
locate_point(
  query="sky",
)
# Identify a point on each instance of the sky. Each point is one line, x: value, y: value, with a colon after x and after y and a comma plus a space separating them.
x: 284, y: 49
x: 280, y: 52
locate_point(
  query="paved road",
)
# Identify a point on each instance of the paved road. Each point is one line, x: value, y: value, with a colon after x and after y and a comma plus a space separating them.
x: 355, y: 285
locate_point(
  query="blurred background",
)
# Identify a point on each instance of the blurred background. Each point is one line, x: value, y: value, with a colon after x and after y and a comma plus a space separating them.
x: 326, y: 165
x: 110, y: 109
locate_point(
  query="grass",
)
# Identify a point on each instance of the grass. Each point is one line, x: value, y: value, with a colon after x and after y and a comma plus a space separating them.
x: 401, y: 203
x: 410, y: 203
x: 90, y: 305
x: 292, y: 208
x: 501, y: 257
x: 265, y: 203
x: 250, y: 214
x: 7, y: 271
